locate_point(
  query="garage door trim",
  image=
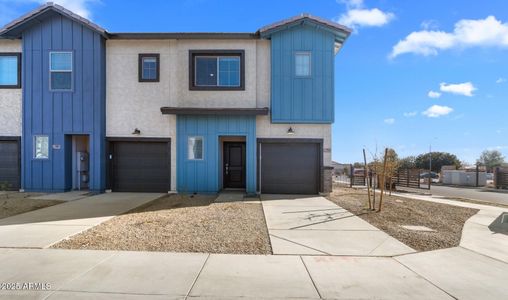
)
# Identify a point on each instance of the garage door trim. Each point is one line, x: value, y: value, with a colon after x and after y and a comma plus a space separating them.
x: 260, y: 141
x: 16, y: 139
x: 111, y: 140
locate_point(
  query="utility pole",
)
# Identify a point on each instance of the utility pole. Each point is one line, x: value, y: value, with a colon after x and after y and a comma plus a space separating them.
x: 430, y: 165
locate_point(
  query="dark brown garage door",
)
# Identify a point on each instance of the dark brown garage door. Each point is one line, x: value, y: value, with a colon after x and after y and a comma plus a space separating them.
x: 139, y: 166
x: 290, y: 168
x: 9, y: 164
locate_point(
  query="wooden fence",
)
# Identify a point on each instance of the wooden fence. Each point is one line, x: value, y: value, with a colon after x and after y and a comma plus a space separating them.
x: 501, y: 178
x: 410, y: 178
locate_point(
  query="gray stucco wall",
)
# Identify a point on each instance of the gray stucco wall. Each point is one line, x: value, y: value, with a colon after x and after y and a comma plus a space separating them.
x: 10, y: 99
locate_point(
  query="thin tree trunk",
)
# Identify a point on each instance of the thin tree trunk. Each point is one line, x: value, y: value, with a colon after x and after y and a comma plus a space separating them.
x: 367, y: 178
x: 383, y: 181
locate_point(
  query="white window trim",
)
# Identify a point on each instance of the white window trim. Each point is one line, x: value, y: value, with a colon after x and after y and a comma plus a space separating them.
x: 61, y: 71
x: 35, y: 147
x: 217, y: 58
x: 309, y: 54
x: 202, y: 147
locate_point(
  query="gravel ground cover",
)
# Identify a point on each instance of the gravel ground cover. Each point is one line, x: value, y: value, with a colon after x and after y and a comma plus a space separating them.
x: 180, y: 223
x: 446, y: 220
x: 14, y: 203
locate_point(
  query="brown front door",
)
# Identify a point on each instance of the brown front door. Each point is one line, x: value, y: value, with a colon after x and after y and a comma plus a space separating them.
x: 234, y: 165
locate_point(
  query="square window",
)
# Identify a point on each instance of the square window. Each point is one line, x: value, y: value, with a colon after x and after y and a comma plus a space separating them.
x: 148, y: 68
x: 60, y: 68
x: 10, y: 70
x: 41, y: 147
x: 302, y: 64
x: 195, y: 147
x: 216, y: 70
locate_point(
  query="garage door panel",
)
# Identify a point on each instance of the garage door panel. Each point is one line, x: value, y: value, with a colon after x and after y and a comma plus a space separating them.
x: 9, y: 164
x: 290, y: 168
x: 141, y: 166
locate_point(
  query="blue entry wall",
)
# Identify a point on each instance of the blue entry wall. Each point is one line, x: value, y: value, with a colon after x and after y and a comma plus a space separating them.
x: 202, y: 176
x: 302, y: 99
x: 61, y: 114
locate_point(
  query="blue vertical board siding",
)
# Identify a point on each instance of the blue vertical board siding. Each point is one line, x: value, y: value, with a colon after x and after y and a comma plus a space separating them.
x: 81, y: 111
x: 203, y: 176
x: 302, y: 99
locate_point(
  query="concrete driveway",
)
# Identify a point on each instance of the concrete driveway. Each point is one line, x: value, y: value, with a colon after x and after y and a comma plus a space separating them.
x: 313, y: 225
x: 45, y: 227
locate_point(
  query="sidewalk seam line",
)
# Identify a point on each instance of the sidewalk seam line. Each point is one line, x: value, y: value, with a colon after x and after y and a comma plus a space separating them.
x: 311, y: 279
x: 425, y: 278
x: 197, y: 276
x: 80, y: 275
x: 287, y: 240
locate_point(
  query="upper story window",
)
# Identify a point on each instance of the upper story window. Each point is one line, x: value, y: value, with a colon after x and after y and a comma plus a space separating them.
x: 10, y: 70
x: 216, y: 70
x: 302, y: 64
x: 60, y: 69
x: 148, y: 65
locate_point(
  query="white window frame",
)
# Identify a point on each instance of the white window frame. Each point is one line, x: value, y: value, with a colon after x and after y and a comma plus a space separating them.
x: 35, y: 146
x: 217, y: 58
x: 196, y: 137
x: 306, y: 53
x: 61, y: 71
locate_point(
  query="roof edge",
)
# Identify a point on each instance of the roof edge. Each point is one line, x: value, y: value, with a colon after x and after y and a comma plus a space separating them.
x: 280, y: 25
x: 182, y: 35
x: 50, y: 6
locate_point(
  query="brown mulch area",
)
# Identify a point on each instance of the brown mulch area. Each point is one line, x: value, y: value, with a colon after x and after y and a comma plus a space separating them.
x: 446, y: 220
x: 14, y: 203
x: 181, y: 223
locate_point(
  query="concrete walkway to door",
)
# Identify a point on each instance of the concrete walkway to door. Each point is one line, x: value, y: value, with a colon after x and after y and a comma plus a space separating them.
x: 312, y: 225
x: 45, y: 227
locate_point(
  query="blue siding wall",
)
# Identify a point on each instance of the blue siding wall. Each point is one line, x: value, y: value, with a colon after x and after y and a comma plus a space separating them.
x: 202, y: 176
x: 60, y: 114
x: 297, y: 99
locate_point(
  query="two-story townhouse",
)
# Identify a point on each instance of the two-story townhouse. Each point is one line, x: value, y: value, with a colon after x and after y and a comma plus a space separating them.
x: 184, y: 112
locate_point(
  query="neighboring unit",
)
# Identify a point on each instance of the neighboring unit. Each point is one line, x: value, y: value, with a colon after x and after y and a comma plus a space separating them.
x: 156, y: 112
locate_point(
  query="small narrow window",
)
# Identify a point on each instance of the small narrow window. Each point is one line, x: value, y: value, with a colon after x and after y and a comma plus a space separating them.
x: 41, y: 147
x: 216, y: 70
x: 195, y: 147
x: 60, y: 69
x: 10, y: 70
x: 302, y: 64
x: 149, y: 67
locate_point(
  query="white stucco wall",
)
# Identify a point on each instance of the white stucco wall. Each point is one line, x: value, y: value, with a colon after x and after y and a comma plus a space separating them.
x: 266, y: 129
x: 10, y: 99
x: 193, y: 98
x: 131, y: 104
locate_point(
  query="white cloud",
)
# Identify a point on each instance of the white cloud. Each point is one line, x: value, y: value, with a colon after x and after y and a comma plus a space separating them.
x: 433, y: 94
x: 501, y: 80
x: 436, y: 111
x: 465, y: 89
x: 467, y: 33
x: 352, y: 3
x: 80, y: 7
x: 430, y: 24
x: 360, y: 17
x: 390, y: 121
x: 410, y: 114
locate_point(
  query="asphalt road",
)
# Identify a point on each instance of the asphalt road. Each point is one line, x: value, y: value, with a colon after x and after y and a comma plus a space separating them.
x: 481, y: 194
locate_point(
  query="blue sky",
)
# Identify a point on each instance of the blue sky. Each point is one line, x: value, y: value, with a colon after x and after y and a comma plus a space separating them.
x: 414, y: 73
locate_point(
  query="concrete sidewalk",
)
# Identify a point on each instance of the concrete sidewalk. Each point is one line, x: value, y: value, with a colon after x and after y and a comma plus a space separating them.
x: 44, y: 227
x: 85, y: 274
x: 313, y: 225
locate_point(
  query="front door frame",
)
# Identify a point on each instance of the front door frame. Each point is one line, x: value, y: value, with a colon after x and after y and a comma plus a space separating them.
x: 226, y: 184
